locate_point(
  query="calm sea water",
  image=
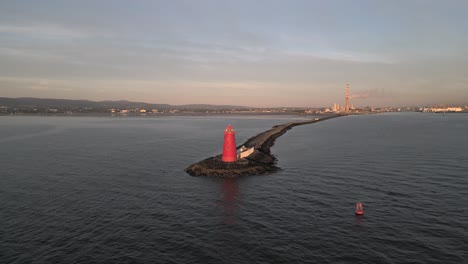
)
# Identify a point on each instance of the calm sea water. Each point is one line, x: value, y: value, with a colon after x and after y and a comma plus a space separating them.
x: 113, y: 190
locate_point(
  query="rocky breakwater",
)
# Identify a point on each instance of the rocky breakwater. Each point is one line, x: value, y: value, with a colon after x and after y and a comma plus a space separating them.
x: 261, y: 161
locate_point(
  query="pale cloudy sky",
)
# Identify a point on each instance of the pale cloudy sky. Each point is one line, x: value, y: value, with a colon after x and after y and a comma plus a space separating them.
x: 255, y: 53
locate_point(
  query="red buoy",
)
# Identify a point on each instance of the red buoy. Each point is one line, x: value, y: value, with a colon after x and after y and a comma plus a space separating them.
x: 229, y: 146
x: 359, y: 210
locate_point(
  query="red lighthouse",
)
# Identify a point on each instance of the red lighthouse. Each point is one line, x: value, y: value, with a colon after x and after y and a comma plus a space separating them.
x: 229, y: 146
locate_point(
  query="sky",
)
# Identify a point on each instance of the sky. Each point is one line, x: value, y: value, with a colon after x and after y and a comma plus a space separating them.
x: 240, y: 52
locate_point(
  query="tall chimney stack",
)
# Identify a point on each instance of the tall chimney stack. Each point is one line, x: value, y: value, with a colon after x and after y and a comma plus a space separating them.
x: 347, y: 98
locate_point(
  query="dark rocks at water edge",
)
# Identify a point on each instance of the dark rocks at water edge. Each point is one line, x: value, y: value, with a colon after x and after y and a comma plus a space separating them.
x: 259, y: 162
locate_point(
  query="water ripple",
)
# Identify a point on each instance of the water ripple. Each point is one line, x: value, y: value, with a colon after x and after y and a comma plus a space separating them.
x: 114, y: 191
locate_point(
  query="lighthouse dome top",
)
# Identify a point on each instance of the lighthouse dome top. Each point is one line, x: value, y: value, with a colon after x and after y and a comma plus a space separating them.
x: 229, y: 128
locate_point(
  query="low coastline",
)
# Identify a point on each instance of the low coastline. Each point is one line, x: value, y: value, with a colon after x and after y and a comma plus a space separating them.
x: 260, y: 162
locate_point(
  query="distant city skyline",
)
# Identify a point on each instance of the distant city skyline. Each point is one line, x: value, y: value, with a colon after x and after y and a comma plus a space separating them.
x: 251, y: 53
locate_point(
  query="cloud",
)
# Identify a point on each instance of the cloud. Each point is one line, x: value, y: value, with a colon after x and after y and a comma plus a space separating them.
x: 42, y: 31
x: 357, y: 57
x: 30, y: 53
x: 38, y: 85
x: 345, y: 56
x: 371, y: 93
x: 43, y: 85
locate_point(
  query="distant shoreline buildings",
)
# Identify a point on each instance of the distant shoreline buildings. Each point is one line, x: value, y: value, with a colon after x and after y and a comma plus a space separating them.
x: 439, y: 109
x: 32, y: 106
x: 337, y: 108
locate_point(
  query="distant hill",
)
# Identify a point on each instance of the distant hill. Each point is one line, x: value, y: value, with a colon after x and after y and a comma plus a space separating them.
x: 41, y: 103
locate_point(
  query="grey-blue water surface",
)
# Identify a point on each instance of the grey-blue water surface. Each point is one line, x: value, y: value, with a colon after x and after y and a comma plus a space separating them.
x: 113, y: 190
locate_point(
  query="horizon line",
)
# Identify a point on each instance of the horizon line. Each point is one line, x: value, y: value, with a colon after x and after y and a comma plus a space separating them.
x: 244, y: 106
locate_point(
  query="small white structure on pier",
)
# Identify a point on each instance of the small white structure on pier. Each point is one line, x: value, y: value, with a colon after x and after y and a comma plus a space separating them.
x: 245, y: 152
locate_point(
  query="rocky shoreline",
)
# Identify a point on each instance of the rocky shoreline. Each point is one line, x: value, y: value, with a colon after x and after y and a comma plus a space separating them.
x: 261, y: 161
